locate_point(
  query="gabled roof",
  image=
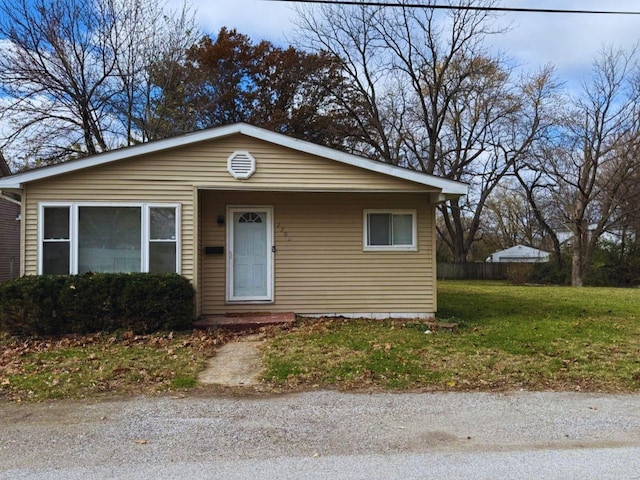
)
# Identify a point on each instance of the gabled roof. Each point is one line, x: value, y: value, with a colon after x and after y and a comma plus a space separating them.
x: 520, y: 251
x: 448, y: 188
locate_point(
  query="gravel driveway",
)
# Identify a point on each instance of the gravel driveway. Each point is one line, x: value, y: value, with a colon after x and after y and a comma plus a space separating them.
x: 309, y: 435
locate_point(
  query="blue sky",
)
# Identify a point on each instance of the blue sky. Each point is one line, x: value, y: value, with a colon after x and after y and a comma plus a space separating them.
x: 568, y: 41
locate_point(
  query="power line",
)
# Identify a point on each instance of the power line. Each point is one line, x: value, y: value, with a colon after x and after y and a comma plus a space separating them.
x: 457, y: 7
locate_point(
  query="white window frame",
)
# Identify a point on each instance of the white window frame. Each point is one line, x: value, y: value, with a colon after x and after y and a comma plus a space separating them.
x: 73, y: 230
x: 390, y: 248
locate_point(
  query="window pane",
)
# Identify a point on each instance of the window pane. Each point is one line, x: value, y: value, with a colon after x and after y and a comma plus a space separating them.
x: 109, y: 239
x: 403, y: 229
x: 55, y: 258
x: 162, y: 257
x: 163, y: 223
x: 56, y: 222
x: 379, y: 229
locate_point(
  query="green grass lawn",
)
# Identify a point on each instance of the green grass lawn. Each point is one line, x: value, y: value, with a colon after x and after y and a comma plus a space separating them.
x: 509, y: 337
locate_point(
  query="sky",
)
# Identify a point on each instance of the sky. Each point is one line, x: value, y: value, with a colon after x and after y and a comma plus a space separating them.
x: 570, y: 42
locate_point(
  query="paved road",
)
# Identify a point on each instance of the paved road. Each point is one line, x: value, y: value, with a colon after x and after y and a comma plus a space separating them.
x: 326, y: 435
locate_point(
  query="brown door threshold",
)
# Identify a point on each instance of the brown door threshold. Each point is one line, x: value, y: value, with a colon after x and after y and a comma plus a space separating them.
x: 245, y: 321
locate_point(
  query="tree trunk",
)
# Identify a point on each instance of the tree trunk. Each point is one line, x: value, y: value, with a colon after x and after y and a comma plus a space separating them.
x: 581, y: 258
x: 577, y: 269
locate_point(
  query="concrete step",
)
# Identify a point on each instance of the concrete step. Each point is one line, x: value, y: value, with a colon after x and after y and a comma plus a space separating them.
x: 245, y: 321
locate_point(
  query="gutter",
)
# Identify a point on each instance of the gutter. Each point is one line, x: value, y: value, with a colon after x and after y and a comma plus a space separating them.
x: 9, y: 198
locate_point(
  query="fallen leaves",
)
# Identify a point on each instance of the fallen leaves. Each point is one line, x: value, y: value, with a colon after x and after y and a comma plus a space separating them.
x: 84, y: 365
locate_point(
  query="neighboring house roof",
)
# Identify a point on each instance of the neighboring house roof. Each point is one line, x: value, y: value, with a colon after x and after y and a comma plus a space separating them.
x: 446, y: 188
x: 4, y: 168
x: 519, y: 253
x: 5, y: 172
x: 612, y: 235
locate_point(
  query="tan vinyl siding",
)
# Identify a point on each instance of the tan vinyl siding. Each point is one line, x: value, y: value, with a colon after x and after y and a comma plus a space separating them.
x: 320, y: 265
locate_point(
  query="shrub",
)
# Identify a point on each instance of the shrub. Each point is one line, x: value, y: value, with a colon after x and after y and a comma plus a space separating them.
x: 549, y: 273
x: 141, y: 302
x: 615, y: 265
x: 26, y: 301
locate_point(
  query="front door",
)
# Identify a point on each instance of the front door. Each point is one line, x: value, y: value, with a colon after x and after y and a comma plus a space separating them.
x: 249, y: 259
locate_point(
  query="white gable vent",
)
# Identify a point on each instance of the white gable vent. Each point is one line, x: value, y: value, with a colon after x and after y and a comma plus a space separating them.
x: 241, y: 165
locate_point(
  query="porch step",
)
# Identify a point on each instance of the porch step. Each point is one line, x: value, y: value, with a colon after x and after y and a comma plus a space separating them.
x: 245, y: 321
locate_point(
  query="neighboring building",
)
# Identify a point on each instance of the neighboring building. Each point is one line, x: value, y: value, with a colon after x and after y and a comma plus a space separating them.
x: 519, y: 253
x: 258, y: 221
x: 614, y: 236
x: 9, y: 231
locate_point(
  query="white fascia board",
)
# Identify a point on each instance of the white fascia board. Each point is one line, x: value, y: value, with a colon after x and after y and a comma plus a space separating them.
x: 447, y: 187
x: 444, y: 185
x: 16, y: 181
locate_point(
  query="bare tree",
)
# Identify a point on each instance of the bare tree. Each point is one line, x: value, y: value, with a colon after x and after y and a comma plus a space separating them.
x: 509, y: 218
x: 428, y: 95
x: 72, y: 72
x: 538, y: 189
x: 145, y: 37
x: 585, y: 171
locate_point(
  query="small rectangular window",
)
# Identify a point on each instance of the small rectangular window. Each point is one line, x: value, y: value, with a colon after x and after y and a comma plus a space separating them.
x: 56, y: 241
x: 390, y: 230
x: 162, y: 239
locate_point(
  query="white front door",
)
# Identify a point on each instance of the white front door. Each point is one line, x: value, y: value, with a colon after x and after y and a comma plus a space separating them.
x: 249, y: 258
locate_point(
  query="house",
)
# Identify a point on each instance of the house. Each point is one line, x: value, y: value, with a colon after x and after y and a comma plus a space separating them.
x: 256, y: 220
x: 519, y: 253
x: 9, y: 231
x: 614, y: 236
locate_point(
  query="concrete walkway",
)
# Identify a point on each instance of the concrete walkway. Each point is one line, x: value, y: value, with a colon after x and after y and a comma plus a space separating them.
x: 236, y: 364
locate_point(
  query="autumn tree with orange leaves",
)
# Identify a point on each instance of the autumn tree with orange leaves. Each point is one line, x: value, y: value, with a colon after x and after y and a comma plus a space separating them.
x: 229, y: 79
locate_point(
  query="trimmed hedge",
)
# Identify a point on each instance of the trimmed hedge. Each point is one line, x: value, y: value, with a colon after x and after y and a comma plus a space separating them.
x: 100, y: 302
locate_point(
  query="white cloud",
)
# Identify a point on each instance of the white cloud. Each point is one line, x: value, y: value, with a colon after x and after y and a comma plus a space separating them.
x: 568, y: 41
x: 260, y: 19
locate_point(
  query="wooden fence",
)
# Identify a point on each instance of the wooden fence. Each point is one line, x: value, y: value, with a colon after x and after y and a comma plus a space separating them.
x: 473, y: 271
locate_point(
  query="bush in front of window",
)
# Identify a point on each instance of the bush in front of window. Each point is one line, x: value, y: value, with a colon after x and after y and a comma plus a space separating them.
x: 29, y: 305
x: 101, y: 302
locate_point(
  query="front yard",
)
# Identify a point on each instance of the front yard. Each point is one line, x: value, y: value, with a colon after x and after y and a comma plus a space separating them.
x: 507, y: 337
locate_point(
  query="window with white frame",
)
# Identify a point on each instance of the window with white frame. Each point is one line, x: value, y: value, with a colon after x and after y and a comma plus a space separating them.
x: 390, y: 230
x: 89, y: 237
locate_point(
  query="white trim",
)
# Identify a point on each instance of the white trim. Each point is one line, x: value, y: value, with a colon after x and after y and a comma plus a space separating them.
x: 230, y: 297
x: 445, y: 186
x: 147, y: 235
x: 297, y: 189
x: 41, y: 207
x: 390, y: 248
x: 374, y: 315
x: 73, y: 230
